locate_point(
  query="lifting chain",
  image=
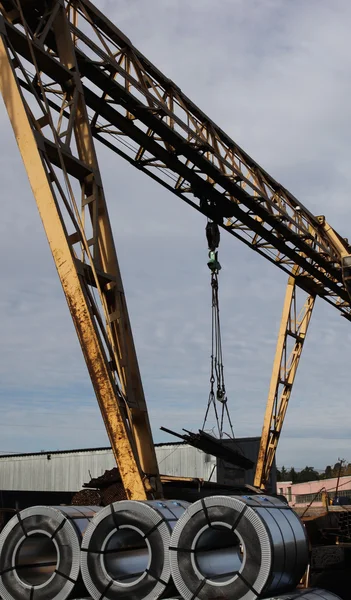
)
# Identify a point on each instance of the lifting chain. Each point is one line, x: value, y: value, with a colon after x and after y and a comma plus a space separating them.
x: 217, y: 385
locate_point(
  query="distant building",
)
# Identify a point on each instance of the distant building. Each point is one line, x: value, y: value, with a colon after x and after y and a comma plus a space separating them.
x: 302, y: 494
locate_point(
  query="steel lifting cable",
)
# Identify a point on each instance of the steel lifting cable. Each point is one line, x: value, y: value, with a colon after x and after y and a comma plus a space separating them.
x: 217, y: 384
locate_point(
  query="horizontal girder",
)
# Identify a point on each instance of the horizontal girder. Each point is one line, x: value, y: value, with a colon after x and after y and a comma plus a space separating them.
x: 144, y: 117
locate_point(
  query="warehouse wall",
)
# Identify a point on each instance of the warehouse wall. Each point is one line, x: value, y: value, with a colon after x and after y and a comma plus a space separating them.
x: 67, y: 471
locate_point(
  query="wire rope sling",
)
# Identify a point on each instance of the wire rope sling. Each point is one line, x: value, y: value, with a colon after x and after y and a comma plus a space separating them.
x: 218, y: 396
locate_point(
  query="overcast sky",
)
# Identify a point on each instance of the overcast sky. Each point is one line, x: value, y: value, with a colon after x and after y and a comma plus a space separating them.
x: 276, y: 76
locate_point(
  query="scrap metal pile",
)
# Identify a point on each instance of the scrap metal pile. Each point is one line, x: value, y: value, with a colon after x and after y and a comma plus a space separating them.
x: 230, y: 547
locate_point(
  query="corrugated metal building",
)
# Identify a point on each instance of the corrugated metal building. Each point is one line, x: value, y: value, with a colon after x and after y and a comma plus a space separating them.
x: 68, y: 470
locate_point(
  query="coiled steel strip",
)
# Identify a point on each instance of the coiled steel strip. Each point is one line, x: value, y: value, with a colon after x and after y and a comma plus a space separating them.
x: 40, y: 553
x: 238, y: 547
x: 125, y: 550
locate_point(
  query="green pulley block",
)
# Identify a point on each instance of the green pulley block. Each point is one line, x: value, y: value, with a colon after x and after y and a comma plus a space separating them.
x: 213, y: 263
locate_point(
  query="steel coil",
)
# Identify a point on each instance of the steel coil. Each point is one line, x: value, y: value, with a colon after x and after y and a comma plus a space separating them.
x: 237, y: 547
x: 125, y: 550
x: 316, y: 594
x: 40, y: 552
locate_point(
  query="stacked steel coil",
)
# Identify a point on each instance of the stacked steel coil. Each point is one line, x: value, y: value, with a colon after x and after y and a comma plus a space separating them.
x: 125, y: 550
x: 40, y: 552
x: 238, y: 547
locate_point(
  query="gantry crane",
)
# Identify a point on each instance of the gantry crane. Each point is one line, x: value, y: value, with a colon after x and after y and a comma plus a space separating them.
x: 68, y: 75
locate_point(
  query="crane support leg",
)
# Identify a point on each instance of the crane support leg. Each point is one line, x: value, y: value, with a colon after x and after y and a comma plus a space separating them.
x: 59, y: 156
x: 292, y: 334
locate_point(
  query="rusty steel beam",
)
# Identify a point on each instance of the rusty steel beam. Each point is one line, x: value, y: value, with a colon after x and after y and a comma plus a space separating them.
x: 294, y: 324
x: 145, y: 118
x: 58, y: 152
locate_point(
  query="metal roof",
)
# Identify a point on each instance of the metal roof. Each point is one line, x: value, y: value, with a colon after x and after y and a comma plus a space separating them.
x: 77, y: 450
x: 101, y: 449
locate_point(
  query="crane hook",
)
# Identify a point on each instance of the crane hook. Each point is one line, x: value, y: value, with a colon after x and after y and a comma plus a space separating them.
x: 213, y: 239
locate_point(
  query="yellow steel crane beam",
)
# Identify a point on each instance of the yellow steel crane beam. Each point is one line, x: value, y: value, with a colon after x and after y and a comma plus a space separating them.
x: 292, y: 334
x: 293, y: 328
x: 139, y: 113
x: 59, y: 156
x: 341, y: 247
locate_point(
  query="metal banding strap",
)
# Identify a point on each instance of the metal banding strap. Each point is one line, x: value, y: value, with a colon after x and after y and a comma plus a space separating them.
x: 165, y: 583
x: 18, y: 515
x: 114, y: 517
x: 154, y: 527
x: 240, y: 516
x: 198, y: 589
x: 204, y: 508
x: 103, y: 595
x: 58, y: 528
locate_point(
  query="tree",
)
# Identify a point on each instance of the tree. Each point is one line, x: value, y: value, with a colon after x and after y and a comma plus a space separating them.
x: 307, y: 474
x: 337, y: 470
x: 293, y: 476
x: 328, y: 473
x: 283, y: 474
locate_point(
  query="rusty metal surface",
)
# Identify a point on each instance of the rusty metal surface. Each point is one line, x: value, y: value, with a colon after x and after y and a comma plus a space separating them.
x: 59, y: 155
x: 293, y: 329
x: 257, y: 208
x: 87, y: 498
x: 139, y: 113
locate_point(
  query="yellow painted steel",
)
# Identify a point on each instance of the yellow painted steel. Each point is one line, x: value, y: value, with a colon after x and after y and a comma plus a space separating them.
x: 340, y: 245
x: 106, y: 258
x: 318, y: 252
x: 293, y: 325
x: 70, y: 279
x: 284, y: 371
